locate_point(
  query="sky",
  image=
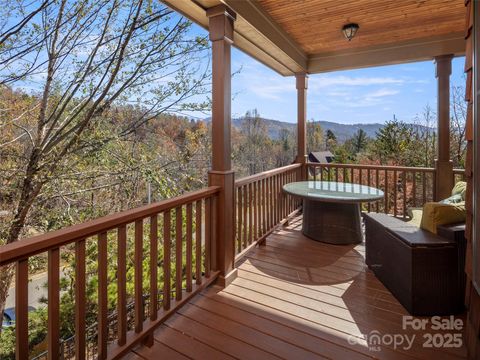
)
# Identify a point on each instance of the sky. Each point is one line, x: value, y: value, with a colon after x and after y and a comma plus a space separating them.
x: 371, y: 95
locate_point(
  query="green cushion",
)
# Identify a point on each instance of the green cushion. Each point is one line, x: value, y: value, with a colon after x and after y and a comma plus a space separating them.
x: 459, y: 189
x: 435, y: 214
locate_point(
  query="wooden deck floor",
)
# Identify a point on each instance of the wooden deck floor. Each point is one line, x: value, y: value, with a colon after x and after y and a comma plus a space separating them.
x: 293, y: 299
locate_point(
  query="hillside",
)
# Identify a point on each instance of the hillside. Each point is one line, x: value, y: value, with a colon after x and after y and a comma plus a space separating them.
x: 341, y: 131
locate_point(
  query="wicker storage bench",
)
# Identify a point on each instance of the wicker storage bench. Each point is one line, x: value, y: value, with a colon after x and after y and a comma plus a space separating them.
x: 424, y: 271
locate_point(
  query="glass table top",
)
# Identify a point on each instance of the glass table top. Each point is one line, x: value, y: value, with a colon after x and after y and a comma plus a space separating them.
x: 333, y: 191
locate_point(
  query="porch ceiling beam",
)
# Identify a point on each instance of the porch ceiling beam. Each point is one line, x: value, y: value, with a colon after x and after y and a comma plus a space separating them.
x: 395, y: 53
x: 254, y: 24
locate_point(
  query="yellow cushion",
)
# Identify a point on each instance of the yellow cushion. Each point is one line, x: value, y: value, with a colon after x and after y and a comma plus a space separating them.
x: 435, y: 214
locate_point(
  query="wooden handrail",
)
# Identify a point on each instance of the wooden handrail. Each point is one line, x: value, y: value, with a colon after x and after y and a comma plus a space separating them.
x: 265, y: 174
x: 37, y: 244
x: 404, y: 187
x: 102, y: 231
x: 373, y: 167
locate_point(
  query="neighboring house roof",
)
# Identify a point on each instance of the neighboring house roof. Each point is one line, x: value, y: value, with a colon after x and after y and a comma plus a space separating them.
x: 322, y: 157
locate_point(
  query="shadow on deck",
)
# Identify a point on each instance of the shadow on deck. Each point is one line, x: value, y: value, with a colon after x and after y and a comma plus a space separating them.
x: 294, y: 299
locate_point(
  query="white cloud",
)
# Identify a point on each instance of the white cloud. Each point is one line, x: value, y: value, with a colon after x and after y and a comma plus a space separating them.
x: 381, y: 93
x: 323, y: 81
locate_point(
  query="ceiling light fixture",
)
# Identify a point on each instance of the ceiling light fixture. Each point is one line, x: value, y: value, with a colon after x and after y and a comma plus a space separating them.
x: 349, y: 30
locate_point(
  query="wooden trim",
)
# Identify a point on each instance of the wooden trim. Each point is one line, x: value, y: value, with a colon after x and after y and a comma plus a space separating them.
x: 251, y: 13
x: 37, y: 244
x: 395, y: 53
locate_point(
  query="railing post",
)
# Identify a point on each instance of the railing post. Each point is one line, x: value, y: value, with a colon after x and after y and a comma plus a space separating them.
x: 221, y: 19
x: 302, y: 85
x: 443, y: 165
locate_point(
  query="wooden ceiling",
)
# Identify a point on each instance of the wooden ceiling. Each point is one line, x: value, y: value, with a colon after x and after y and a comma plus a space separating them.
x: 292, y: 36
x: 316, y: 24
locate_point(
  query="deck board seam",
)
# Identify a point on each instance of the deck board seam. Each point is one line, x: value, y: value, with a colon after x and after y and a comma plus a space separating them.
x: 263, y: 332
x: 227, y: 335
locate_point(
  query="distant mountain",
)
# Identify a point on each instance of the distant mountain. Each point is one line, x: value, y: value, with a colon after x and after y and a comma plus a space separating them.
x: 341, y: 131
x: 346, y: 131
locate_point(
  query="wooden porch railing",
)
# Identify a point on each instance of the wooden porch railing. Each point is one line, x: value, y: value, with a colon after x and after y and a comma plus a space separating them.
x: 261, y: 204
x: 182, y: 224
x: 404, y: 187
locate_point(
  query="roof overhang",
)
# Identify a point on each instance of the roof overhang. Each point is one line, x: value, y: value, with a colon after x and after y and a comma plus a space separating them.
x: 258, y: 35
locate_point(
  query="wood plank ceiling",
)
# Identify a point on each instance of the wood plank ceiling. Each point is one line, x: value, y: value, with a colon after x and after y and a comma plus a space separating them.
x: 316, y: 24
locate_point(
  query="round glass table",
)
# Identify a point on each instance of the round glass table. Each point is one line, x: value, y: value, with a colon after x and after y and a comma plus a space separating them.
x: 331, y: 210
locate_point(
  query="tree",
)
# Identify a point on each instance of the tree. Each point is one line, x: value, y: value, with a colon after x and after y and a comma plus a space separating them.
x: 330, y: 140
x: 314, y: 136
x: 255, y: 151
x: 392, y: 143
x: 286, y: 148
x: 359, y: 141
x: 458, y: 144
x: 82, y: 59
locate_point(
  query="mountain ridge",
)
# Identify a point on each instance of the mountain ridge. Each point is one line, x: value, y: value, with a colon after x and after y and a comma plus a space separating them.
x: 341, y: 131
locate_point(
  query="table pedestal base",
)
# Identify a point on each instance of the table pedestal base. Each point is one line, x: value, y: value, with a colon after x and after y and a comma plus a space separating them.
x: 333, y: 223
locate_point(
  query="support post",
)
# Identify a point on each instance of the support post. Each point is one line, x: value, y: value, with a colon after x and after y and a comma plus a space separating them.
x: 221, y: 19
x: 444, y: 179
x: 302, y: 85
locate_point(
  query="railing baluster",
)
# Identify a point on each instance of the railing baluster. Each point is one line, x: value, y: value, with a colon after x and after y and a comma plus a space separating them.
x: 387, y: 210
x: 255, y: 211
x: 153, y: 267
x: 377, y: 186
x: 414, y: 188
x: 198, y: 242
x: 368, y: 184
x: 395, y: 189
x: 21, y: 310
x: 404, y: 194
x: 250, y: 214
x: 80, y: 298
x: 245, y: 218
x: 271, y: 207
x: 102, y: 320
x: 208, y: 236
x: 239, y: 219
x: 122, y: 284
x: 167, y: 241
x: 424, y: 188
x: 188, y: 255
x: 264, y: 208
x: 138, y: 276
x: 178, y: 253
x: 53, y: 334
